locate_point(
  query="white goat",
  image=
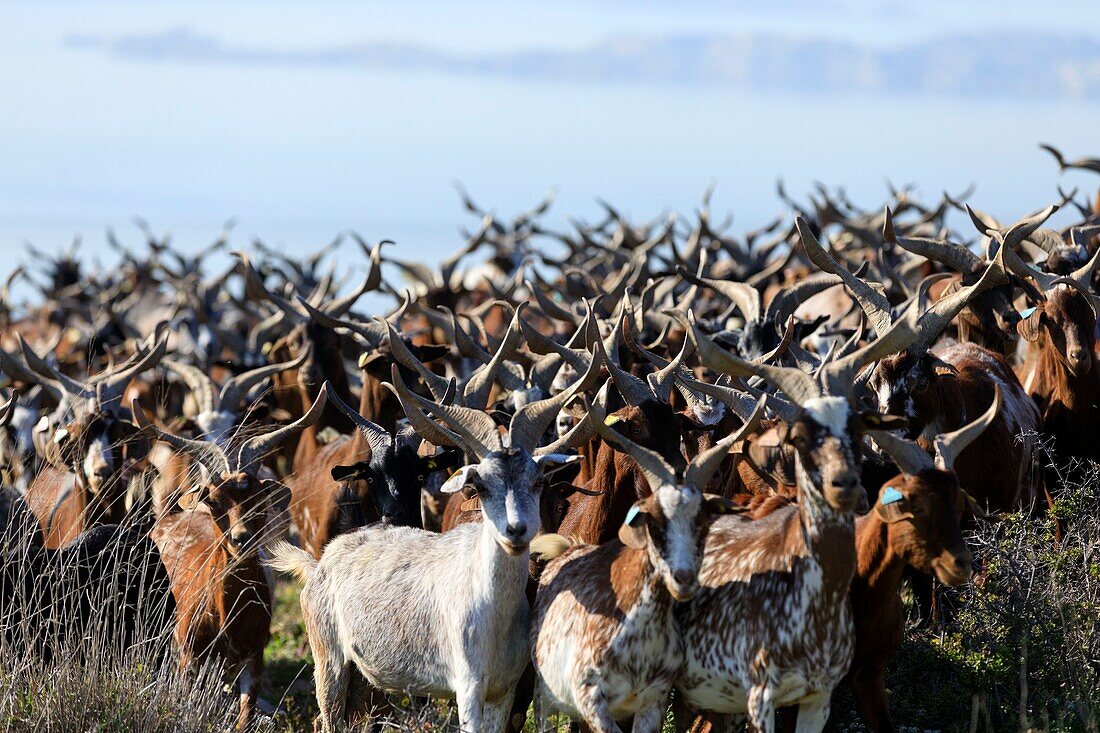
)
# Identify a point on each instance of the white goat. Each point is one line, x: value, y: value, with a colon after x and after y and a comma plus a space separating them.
x: 435, y: 614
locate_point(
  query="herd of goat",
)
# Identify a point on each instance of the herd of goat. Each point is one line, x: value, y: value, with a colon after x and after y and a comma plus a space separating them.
x: 606, y: 470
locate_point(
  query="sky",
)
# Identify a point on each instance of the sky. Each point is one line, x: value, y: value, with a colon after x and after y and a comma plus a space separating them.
x: 112, y: 110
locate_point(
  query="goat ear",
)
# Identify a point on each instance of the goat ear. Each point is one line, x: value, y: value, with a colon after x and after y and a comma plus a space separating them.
x: 448, y: 458
x: 458, y: 479
x: 892, y: 505
x: 191, y: 499
x: 687, y: 422
x: 942, y: 369
x: 878, y: 421
x: 277, y: 492
x: 555, y: 459
x: 349, y: 473
x: 632, y: 533
x: 431, y: 352
x: 376, y: 364
x: 1030, y: 324
x: 718, y: 505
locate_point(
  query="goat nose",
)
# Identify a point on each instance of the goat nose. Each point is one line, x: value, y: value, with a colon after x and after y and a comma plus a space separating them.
x: 517, y: 529
x: 847, y: 480
x: 683, y: 577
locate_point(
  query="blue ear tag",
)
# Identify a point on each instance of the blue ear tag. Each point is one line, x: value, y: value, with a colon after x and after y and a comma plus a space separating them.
x: 1026, y: 312
x: 632, y: 513
x: 891, y: 496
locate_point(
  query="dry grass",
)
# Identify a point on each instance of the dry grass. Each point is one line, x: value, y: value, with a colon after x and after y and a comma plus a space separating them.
x: 1020, y: 651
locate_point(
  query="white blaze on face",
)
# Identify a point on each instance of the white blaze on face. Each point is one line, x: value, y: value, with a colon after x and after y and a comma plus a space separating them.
x: 98, y: 456
x: 831, y: 413
x: 680, y: 507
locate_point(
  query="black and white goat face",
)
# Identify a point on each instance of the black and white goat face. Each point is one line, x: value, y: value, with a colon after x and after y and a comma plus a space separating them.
x: 824, y: 437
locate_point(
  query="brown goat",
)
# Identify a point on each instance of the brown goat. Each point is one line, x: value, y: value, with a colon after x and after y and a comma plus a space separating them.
x: 223, y: 591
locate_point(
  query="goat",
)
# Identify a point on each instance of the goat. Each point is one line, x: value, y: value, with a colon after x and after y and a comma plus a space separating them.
x: 212, y: 551
x: 1061, y: 328
x: 915, y: 522
x: 770, y: 625
x: 92, y: 454
x: 436, y: 614
x: 604, y: 640
x: 938, y: 390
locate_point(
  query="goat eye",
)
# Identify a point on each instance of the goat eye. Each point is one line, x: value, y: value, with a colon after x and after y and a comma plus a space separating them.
x: 420, y: 479
x: 370, y: 479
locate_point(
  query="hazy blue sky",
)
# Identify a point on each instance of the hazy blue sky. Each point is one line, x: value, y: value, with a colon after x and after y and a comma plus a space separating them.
x: 95, y: 128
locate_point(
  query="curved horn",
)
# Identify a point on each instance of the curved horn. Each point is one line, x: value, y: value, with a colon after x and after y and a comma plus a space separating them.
x: 910, y: 458
x: 256, y: 448
x: 475, y: 430
x: 949, y: 445
x: 424, y: 426
x: 475, y: 394
x: 530, y: 422
x: 7, y: 410
x: 839, y: 376
x: 436, y: 384
x: 664, y: 379
x: 111, y: 385
x: 372, y: 334
x: 49, y: 376
x: 1084, y: 273
x: 634, y: 390
x: 377, y: 438
x: 237, y: 388
x: 656, y: 471
x: 873, y: 303
x: 210, y: 456
x: 944, y: 310
x: 201, y: 385
x: 703, y: 466
x: 953, y: 255
x: 746, y: 297
x: 796, y: 384
x: 787, y: 300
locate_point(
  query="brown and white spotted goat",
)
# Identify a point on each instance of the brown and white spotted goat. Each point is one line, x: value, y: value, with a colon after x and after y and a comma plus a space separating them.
x: 604, y: 640
x: 771, y: 624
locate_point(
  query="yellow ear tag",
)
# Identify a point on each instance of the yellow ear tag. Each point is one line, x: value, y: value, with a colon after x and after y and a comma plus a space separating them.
x: 612, y: 419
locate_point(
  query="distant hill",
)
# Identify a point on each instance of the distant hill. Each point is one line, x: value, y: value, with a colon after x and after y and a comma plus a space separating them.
x: 1018, y: 65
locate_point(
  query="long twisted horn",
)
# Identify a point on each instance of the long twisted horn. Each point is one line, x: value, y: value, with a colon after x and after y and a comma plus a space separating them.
x: 953, y: 255
x: 949, y: 445
x: 209, y: 455
x: 256, y: 448
x: 873, y: 303
x: 703, y: 466
x: 474, y: 430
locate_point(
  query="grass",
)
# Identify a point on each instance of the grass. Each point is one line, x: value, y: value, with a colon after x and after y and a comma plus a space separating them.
x: 1021, y: 651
